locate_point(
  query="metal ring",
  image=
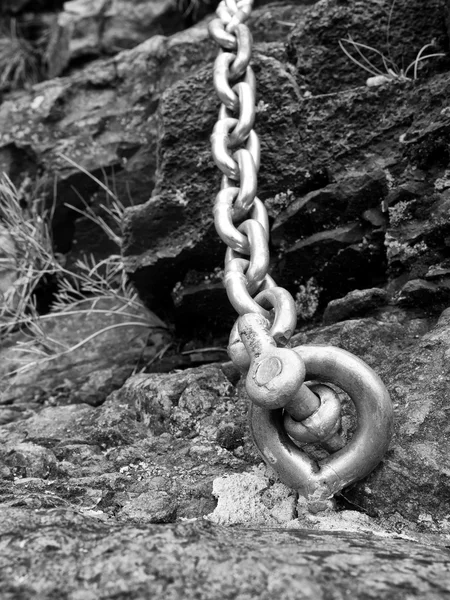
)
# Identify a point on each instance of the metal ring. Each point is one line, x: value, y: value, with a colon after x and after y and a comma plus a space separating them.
x: 221, y: 76
x: 223, y: 13
x: 236, y: 287
x: 248, y: 178
x: 219, y: 148
x: 322, y: 423
x: 226, y: 40
x: 259, y: 254
x: 226, y: 163
x: 225, y: 216
x: 367, y: 446
x: 254, y: 147
x: 283, y: 303
x: 221, y: 72
x: 239, y: 17
x: 246, y: 118
x: 244, y: 50
x: 232, y: 6
x: 247, y: 114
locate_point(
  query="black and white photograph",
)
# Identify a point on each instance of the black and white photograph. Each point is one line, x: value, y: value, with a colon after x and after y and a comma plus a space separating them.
x: 224, y: 299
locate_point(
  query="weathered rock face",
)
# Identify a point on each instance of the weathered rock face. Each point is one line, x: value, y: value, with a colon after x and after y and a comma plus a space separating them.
x: 163, y: 441
x: 355, y: 180
x: 96, y: 478
x: 89, y: 355
x: 94, y: 559
x: 339, y: 162
x: 328, y: 195
x: 91, y: 29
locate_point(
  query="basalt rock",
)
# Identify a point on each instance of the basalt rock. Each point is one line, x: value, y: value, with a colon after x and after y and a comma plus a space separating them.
x: 354, y: 304
x: 89, y: 29
x: 144, y: 118
x: 161, y: 448
x: 91, y: 558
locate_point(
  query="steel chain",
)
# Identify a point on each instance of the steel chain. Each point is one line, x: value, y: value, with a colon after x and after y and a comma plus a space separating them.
x: 276, y: 375
x: 240, y: 218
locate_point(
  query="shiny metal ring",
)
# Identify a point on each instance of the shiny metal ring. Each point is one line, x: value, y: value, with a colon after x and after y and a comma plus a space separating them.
x: 221, y: 74
x: 224, y: 217
x: 254, y: 147
x: 259, y: 254
x: 232, y: 6
x: 226, y: 163
x: 223, y: 13
x: 235, y: 283
x: 247, y: 113
x: 257, y: 210
x: 243, y: 52
x: 226, y: 40
x: 282, y: 302
x: 227, y: 182
x: 219, y: 148
x: 367, y: 446
x: 322, y: 423
x: 221, y: 80
x: 248, y: 178
x: 239, y: 17
x: 248, y: 186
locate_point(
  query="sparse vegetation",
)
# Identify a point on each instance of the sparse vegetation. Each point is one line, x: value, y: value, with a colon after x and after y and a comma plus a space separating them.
x: 391, y: 71
x: 80, y: 291
x: 307, y: 299
x: 388, y: 70
x: 21, y: 60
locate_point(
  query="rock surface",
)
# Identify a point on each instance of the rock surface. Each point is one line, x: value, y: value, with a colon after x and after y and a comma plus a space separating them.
x: 95, y: 559
x: 101, y: 473
x: 91, y: 29
x: 160, y: 440
x: 343, y: 214
x: 354, y: 304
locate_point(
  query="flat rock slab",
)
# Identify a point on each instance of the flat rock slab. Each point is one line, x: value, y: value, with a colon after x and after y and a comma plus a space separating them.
x: 64, y: 554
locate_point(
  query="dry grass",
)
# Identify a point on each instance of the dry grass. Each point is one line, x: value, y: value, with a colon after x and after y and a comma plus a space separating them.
x: 390, y: 71
x: 28, y: 256
x: 19, y: 59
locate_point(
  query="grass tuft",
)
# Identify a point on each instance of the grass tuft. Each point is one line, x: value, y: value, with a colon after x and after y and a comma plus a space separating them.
x: 19, y: 59
x: 27, y: 256
x: 390, y: 71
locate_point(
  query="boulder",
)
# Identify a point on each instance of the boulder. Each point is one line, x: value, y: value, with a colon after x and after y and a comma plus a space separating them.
x: 354, y: 304
x: 89, y: 29
x: 78, y: 355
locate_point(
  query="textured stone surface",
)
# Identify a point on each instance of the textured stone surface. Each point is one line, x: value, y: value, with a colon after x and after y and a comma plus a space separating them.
x: 338, y: 169
x: 354, y: 304
x: 63, y: 553
x: 170, y: 447
x: 338, y: 190
x: 105, y: 27
x: 107, y: 350
x: 356, y: 183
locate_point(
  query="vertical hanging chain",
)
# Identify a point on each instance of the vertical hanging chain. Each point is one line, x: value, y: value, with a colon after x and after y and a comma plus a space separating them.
x: 284, y: 408
x: 242, y: 222
x: 240, y: 217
